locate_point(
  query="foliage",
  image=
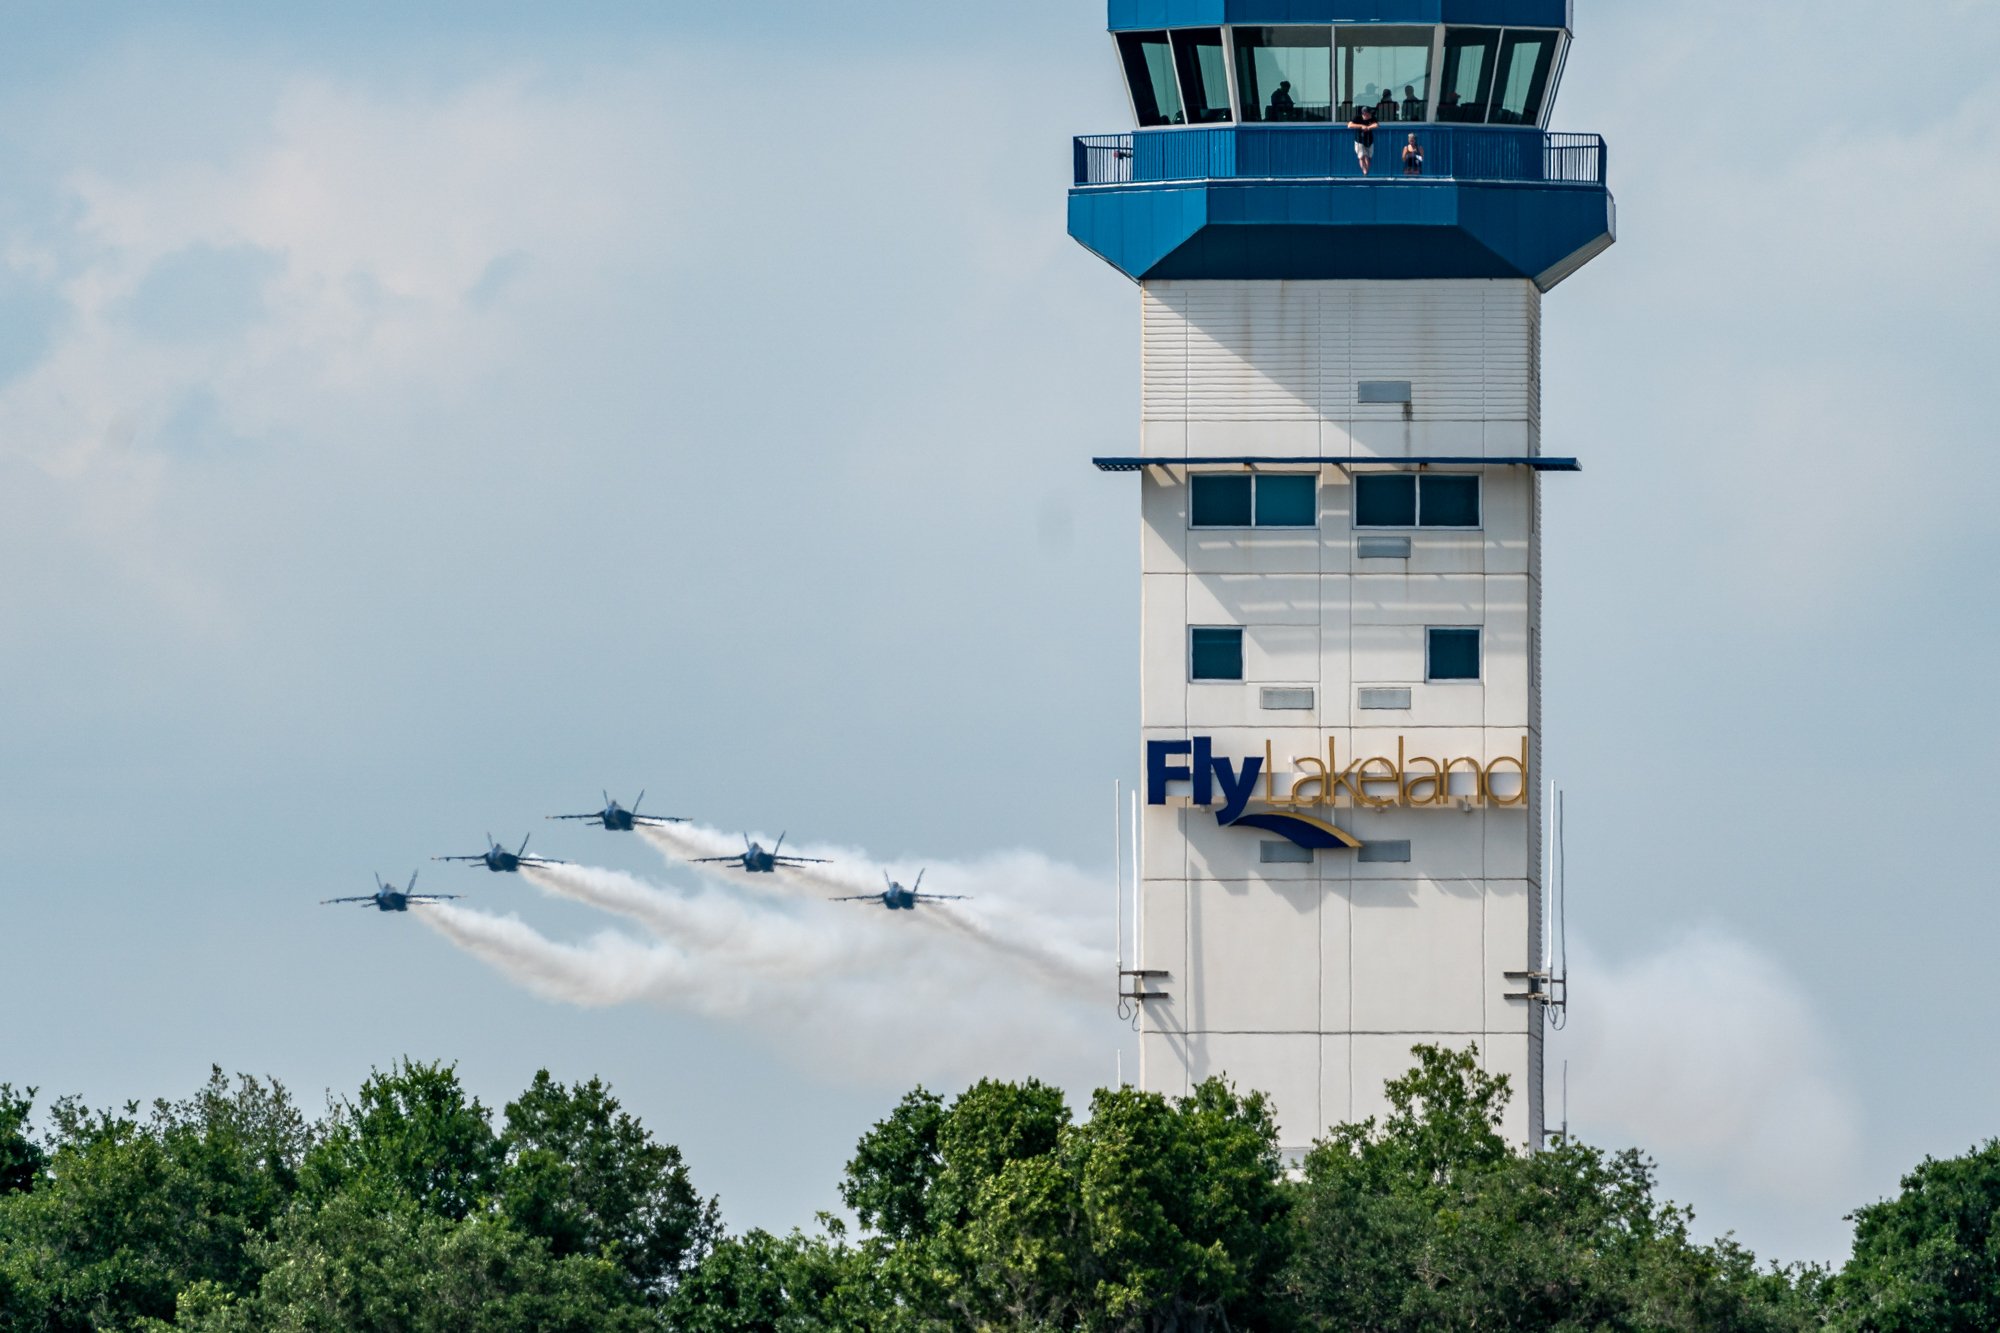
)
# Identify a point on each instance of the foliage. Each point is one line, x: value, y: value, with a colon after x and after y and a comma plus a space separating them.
x: 587, y: 1178
x: 411, y: 1134
x: 405, y: 1210
x: 1433, y: 1222
x: 1001, y: 1212
x: 1928, y: 1261
x: 134, y: 1210
x: 22, y: 1160
x: 352, y: 1266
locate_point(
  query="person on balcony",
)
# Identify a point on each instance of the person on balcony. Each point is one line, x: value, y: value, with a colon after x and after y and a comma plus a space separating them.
x: 1413, y: 105
x: 1386, y: 108
x: 1413, y: 158
x: 1364, y: 123
x: 1282, y: 106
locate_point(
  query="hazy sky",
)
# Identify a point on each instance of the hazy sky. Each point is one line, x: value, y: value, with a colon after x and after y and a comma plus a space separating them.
x: 411, y: 424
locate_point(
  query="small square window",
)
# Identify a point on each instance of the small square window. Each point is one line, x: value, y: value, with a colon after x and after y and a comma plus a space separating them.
x: 1449, y: 501
x: 1215, y: 654
x: 1451, y: 654
x: 1220, y: 500
x: 1385, y: 500
x: 1288, y: 500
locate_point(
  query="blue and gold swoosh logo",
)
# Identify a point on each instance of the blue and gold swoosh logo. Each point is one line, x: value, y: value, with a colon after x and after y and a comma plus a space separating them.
x: 1301, y: 829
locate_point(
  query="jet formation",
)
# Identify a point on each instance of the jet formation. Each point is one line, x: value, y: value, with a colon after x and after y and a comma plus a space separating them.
x: 614, y: 817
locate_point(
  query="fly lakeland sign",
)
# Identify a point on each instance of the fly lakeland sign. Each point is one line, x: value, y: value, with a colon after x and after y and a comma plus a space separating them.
x: 1378, y: 782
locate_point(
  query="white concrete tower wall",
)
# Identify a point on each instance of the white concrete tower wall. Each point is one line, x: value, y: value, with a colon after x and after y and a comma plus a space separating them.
x: 1312, y: 979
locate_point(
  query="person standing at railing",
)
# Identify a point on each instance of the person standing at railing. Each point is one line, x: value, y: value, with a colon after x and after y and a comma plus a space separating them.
x: 1364, y: 123
x: 1413, y: 105
x: 1385, y: 110
x: 1282, y: 106
x: 1413, y: 158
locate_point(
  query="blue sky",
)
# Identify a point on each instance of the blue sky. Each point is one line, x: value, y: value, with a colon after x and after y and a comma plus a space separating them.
x: 412, y: 421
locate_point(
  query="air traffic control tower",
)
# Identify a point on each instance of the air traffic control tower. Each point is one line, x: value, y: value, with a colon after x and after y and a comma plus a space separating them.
x: 1339, y: 467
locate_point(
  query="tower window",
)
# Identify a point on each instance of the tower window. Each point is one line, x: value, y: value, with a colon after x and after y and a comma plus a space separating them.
x: 1215, y: 653
x: 1204, y: 71
x: 1266, y: 500
x: 1285, y: 73
x: 1149, y: 69
x: 1451, y: 653
x: 1416, y: 500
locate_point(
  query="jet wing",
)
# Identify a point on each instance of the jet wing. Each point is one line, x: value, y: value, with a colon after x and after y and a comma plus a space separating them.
x: 658, y: 819
x: 480, y: 857
x: 540, y: 861
x: 801, y: 860
x: 326, y: 902
x: 596, y: 814
x: 858, y: 898
x: 944, y: 897
x: 707, y: 860
x: 432, y: 897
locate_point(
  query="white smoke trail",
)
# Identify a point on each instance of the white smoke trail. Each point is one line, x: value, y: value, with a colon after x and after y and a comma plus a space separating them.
x: 709, y: 922
x: 926, y: 1010
x: 1020, y: 905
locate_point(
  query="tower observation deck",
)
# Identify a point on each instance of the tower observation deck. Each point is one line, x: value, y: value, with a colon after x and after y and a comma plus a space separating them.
x: 1339, y: 463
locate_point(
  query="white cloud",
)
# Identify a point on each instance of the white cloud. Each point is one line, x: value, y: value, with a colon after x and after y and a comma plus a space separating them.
x: 1709, y: 1056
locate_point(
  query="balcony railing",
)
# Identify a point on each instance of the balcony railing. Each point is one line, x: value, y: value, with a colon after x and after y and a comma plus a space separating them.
x: 1311, y: 152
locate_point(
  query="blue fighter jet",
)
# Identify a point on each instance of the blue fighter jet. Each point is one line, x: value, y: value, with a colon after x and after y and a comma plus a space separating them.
x: 497, y: 858
x: 899, y: 899
x: 757, y: 861
x: 620, y: 820
x: 389, y: 898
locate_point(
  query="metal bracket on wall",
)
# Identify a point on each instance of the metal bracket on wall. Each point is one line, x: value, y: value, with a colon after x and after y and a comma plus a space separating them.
x: 1140, y: 976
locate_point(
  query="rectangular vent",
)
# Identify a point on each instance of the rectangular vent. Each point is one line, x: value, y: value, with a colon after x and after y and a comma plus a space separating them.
x: 1279, y: 699
x: 1383, y: 853
x: 1273, y: 853
x: 1382, y: 391
x: 1382, y: 548
x: 1382, y: 697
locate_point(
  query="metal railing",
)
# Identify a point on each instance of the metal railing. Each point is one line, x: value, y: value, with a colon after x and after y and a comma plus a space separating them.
x: 1321, y: 152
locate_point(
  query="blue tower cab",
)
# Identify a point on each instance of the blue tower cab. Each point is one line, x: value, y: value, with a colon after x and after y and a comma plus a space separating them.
x: 1243, y: 164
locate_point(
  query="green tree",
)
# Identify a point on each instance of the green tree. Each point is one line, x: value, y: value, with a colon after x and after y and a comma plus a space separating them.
x: 999, y: 1212
x: 761, y: 1283
x: 589, y: 1180
x: 1432, y: 1222
x: 1928, y: 1260
x: 22, y: 1160
x: 354, y: 1265
x: 414, y: 1133
x: 133, y: 1210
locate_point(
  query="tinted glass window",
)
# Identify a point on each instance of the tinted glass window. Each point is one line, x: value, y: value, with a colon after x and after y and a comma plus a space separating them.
x: 1452, y: 654
x: 1287, y: 502
x: 1449, y: 502
x: 1220, y: 501
x: 1149, y: 69
x: 1467, y: 83
x: 1285, y: 74
x: 1216, y: 654
x: 1526, y: 60
x: 1385, y: 501
x: 1204, y: 71
x: 1388, y: 69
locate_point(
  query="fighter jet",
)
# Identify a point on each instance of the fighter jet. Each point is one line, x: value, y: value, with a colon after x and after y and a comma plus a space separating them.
x: 620, y: 820
x: 899, y: 899
x: 757, y: 861
x: 389, y: 898
x: 497, y: 858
